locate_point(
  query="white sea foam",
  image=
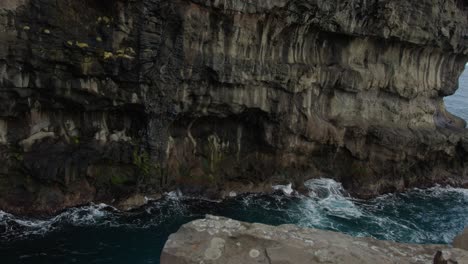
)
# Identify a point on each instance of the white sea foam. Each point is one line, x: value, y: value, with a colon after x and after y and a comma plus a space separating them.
x: 398, y: 217
x: 22, y: 227
x: 175, y: 195
x: 327, y: 198
x: 286, y: 189
x: 420, y: 216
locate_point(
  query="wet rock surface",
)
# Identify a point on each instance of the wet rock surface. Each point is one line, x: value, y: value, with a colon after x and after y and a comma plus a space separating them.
x: 108, y: 100
x: 222, y: 240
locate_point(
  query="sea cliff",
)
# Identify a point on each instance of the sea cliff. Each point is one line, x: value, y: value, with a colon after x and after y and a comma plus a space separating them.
x: 109, y: 101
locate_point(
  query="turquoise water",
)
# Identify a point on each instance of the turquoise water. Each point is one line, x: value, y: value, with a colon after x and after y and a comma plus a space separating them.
x: 101, y: 234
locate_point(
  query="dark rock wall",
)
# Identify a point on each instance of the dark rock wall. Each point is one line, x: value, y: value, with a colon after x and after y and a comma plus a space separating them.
x: 104, y: 99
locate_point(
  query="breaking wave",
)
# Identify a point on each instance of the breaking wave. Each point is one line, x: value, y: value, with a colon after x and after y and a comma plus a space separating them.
x: 432, y: 215
x: 15, y: 227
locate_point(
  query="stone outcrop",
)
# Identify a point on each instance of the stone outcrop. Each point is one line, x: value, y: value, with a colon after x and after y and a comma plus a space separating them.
x: 221, y: 240
x: 113, y: 99
x: 461, y: 241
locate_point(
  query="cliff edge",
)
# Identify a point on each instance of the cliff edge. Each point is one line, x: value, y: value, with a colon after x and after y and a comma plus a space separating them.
x: 104, y: 100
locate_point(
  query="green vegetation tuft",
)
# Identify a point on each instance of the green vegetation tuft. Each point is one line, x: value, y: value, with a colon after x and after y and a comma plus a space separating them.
x: 142, y: 161
x: 75, y: 140
x: 117, y: 179
x: 18, y: 156
x: 361, y: 173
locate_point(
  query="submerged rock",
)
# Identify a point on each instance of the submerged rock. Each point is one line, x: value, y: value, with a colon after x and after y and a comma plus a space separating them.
x: 222, y: 240
x: 102, y: 100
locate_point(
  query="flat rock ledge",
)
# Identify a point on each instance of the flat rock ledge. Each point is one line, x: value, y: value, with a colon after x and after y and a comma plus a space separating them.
x: 222, y: 240
x: 461, y: 241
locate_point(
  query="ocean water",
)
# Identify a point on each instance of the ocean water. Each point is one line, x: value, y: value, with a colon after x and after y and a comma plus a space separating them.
x: 98, y: 233
x: 101, y: 234
x: 458, y: 103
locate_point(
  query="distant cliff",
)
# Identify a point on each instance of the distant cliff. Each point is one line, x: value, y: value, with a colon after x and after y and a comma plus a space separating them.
x: 220, y: 240
x: 102, y: 100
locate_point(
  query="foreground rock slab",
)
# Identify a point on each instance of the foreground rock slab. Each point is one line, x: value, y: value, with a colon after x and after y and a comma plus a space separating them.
x: 461, y: 241
x: 222, y: 240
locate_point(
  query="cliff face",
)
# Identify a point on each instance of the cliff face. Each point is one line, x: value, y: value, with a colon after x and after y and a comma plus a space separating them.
x: 221, y: 240
x: 104, y: 99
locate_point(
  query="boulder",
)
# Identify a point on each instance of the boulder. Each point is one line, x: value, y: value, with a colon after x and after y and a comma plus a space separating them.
x: 221, y: 240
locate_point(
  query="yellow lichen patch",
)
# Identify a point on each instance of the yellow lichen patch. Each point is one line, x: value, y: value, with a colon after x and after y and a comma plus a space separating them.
x: 81, y: 45
x: 98, y: 39
x: 125, y: 56
x: 108, y: 55
x: 86, y: 65
x: 70, y: 43
x: 130, y: 50
x: 26, y: 28
x: 106, y: 19
x: 46, y: 31
x: 125, y: 53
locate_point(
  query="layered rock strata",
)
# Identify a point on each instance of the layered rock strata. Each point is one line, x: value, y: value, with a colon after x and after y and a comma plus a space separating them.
x: 221, y: 240
x: 102, y: 100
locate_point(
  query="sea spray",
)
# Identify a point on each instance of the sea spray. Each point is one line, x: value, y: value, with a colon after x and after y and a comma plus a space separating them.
x: 432, y: 215
x: 285, y: 189
x: 12, y: 227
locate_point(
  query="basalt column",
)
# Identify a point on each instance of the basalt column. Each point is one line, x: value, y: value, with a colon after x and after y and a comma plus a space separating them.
x: 111, y: 101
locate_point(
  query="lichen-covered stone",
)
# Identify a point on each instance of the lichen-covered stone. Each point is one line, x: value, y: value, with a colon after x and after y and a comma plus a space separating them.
x: 226, y: 96
x: 231, y: 241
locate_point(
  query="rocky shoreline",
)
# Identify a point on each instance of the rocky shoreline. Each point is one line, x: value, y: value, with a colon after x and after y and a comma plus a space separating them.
x: 105, y: 101
x: 222, y: 240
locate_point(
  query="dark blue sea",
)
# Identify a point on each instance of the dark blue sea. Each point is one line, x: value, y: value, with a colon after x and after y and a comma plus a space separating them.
x: 98, y: 233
